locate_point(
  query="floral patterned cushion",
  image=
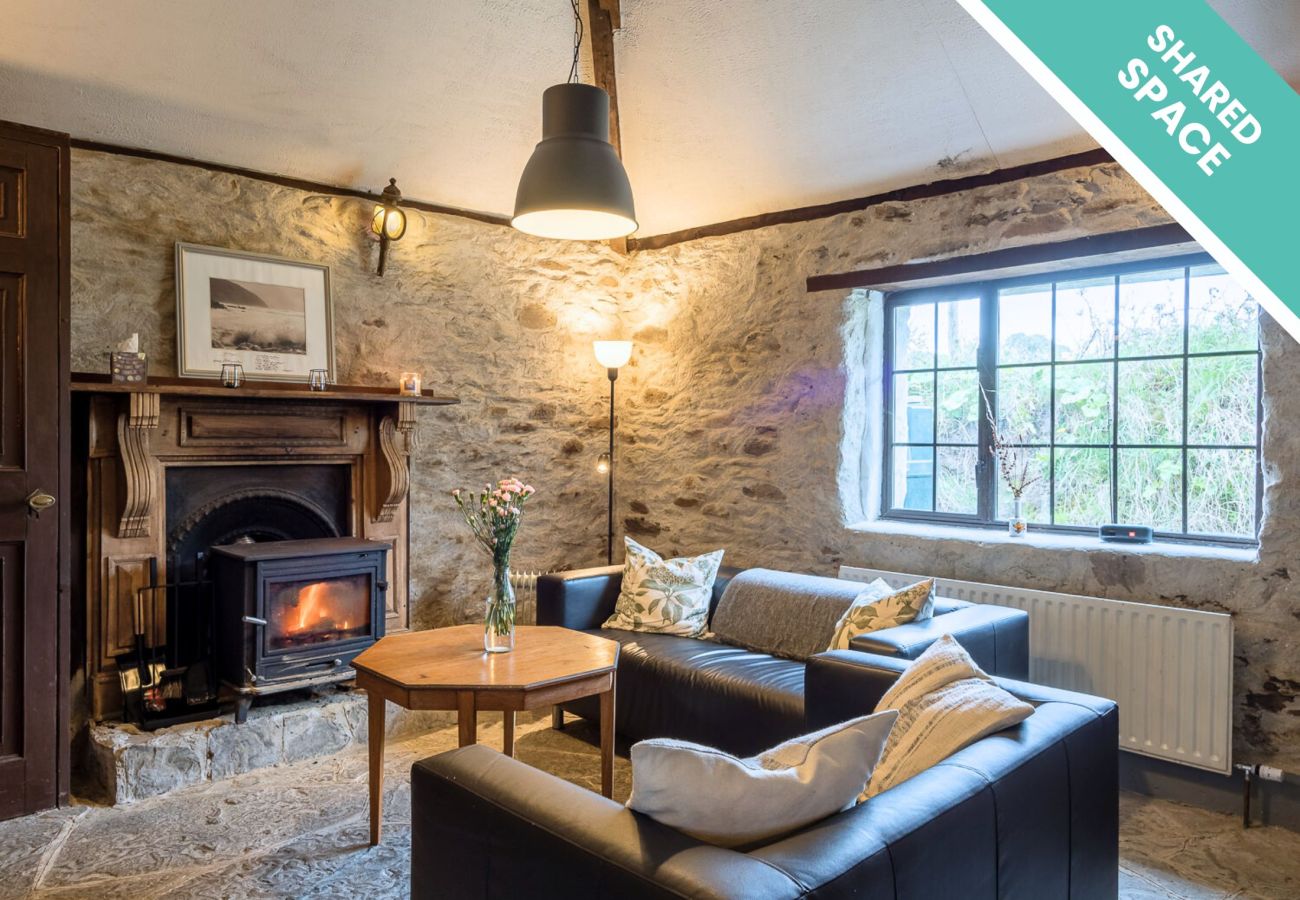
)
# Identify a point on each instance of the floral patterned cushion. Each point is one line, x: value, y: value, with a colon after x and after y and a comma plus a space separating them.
x: 880, y: 606
x: 667, y: 596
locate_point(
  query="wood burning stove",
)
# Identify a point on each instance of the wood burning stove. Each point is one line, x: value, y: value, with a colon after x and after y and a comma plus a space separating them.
x: 293, y: 614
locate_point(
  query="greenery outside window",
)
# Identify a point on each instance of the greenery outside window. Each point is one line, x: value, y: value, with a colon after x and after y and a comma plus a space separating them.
x: 1136, y: 387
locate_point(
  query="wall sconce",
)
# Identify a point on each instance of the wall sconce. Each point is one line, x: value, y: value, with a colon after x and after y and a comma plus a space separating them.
x: 613, y: 355
x: 389, y: 221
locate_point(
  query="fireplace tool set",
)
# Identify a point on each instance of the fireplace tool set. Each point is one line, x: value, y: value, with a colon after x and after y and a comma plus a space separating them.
x: 161, y: 685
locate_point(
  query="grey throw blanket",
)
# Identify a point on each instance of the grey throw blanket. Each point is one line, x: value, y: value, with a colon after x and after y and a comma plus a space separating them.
x: 782, y: 613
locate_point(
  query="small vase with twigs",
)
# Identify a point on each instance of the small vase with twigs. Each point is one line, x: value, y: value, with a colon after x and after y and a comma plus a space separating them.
x: 1014, y: 463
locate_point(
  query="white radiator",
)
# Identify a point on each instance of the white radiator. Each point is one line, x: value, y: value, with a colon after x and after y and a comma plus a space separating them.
x: 1169, y: 669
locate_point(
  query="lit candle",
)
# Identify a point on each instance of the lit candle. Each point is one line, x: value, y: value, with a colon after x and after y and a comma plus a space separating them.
x: 409, y: 385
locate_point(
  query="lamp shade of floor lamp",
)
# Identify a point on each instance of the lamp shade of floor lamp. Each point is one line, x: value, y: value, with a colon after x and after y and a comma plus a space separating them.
x: 613, y: 355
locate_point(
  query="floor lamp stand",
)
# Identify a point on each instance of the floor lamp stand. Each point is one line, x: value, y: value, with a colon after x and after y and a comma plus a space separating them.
x: 609, y: 474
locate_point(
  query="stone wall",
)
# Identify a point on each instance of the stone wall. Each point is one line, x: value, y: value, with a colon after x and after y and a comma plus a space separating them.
x: 746, y: 410
x: 743, y: 413
x: 500, y: 320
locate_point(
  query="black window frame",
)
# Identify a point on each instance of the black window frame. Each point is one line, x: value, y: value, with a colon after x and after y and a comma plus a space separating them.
x: 987, y: 366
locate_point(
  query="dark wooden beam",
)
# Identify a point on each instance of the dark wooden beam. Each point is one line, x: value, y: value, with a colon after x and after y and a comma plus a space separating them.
x: 300, y: 184
x: 1117, y: 246
x: 603, y: 18
x: 901, y: 195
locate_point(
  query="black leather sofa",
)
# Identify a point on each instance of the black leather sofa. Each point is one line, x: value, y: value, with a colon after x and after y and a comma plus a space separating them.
x: 1030, y: 813
x: 736, y: 699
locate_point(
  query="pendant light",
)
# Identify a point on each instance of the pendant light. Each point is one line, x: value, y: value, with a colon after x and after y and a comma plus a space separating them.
x: 574, y: 186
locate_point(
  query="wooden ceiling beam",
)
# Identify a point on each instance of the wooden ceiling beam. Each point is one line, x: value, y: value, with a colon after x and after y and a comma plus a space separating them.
x: 603, y: 19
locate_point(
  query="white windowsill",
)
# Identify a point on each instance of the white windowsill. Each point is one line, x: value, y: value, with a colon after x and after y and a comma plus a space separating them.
x: 1050, y: 540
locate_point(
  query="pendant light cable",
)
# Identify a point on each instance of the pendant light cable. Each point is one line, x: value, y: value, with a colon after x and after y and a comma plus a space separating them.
x: 577, y: 42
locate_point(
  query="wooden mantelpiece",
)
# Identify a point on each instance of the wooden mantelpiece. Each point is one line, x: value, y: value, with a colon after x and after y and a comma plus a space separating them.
x: 136, y: 434
x: 86, y: 382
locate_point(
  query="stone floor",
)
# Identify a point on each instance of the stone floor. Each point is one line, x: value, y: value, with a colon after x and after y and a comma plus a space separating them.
x: 300, y: 830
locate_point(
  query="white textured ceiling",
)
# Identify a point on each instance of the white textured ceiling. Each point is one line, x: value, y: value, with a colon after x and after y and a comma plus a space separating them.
x: 729, y: 107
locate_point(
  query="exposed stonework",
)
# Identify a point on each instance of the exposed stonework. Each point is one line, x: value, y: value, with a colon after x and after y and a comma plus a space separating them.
x: 124, y: 764
x: 503, y: 321
x: 744, y: 421
x: 742, y: 414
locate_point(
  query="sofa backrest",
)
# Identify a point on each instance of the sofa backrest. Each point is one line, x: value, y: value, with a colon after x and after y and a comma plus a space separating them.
x: 1028, y: 812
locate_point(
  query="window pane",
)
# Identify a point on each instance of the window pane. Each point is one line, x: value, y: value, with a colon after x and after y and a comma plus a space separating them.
x: 1083, y: 403
x: 957, y: 486
x: 1223, y: 315
x: 959, y: 407
x: 959, y: 332
x: 1082, y: 487
x: 1151, y: 402
x: 1221, y: 399
x: 914, y: 336
x: 1151, y: 313
x: 1085, y: 319
x: 913, y: 477
x: 914, y: 408
x: 1034, y: 499
x: 1151, y: 488
x: 1024, y: 404
x: 1221, y: 492
x: 1025, y: 324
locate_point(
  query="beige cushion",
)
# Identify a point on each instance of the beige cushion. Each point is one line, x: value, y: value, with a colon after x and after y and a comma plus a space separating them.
x: 725, y: 800
x: 944, y: 703
x: 668, y: 596
x: 880, y: 606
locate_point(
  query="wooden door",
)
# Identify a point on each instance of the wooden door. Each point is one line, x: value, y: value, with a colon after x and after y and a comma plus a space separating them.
x: 33, y: 462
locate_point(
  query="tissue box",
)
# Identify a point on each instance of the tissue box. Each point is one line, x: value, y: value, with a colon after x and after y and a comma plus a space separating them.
x: 128, y: 368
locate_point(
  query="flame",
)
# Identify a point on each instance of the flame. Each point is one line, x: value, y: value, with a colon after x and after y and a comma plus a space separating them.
x: 319, y: 608
x: 313, y: 605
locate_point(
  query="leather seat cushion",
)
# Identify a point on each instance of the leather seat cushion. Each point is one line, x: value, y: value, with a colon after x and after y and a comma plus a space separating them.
x: 695, y: 690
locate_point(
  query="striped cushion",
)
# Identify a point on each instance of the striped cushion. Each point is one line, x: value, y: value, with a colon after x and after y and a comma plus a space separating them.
x: 944, y: 703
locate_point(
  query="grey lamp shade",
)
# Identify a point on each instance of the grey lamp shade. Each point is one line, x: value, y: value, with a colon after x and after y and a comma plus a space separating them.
x: 574, y: 185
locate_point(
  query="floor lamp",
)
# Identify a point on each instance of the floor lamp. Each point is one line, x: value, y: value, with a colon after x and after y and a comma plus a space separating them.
x: 613, y: 355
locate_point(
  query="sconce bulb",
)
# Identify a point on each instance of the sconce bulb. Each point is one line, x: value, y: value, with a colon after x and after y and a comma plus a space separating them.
x: 602, y: 464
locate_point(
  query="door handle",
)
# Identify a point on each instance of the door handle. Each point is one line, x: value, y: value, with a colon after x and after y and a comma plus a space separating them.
x: 38, y: 501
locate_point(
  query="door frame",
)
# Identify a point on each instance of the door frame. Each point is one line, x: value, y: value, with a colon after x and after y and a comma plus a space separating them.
x: 63, y: 595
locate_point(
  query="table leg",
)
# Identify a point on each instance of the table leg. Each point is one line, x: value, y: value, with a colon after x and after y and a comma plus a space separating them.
x: 375, y: 742
x: 467, y: 712
x: 509, y: 723
x: 557, y: 718
x: 607, y: 741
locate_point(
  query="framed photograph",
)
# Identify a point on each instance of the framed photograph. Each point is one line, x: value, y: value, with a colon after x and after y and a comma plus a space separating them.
x: 271, y: 315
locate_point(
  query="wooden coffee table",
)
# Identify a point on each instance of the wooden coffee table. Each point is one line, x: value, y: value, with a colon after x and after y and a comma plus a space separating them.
x: 447, y: 668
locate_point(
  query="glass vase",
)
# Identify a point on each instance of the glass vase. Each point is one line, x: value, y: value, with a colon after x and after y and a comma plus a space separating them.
x: 1016, y: 524
x: 499, y: 618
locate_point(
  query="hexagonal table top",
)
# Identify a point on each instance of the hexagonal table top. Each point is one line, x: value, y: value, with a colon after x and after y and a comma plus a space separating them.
x: 453, y: 658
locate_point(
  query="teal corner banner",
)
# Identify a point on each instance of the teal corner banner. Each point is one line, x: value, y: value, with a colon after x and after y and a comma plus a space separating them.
x: 1189, y: 109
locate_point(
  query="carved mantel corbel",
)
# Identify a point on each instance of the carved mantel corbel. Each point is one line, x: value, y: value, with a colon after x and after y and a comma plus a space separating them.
x: 141, y: 492
x: 398, y: 439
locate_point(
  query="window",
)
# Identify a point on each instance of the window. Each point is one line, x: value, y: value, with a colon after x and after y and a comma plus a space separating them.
x: 1133, y: 390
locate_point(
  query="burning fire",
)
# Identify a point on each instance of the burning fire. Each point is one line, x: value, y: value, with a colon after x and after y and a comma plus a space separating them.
x: 321, y: 607
x: 313, y: 606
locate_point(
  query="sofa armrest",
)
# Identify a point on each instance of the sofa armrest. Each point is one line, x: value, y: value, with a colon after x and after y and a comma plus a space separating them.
x: 485, y: 825
x: 842, y: 684
x: 996, y: 637
x: 581, y: 599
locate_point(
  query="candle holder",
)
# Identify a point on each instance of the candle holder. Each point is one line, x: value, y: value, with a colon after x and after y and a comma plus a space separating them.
x: 409, y: 385
x: 232, y: 375
x: 318, y: 379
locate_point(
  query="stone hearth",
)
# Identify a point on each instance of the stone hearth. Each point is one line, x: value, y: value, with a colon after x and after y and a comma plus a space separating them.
x: 124, y: 764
